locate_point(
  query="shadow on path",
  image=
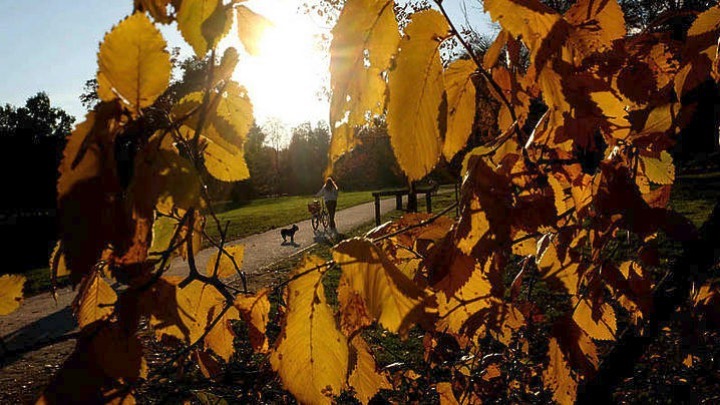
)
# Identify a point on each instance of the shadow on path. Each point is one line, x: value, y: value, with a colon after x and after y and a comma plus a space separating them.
x: 44, y: 329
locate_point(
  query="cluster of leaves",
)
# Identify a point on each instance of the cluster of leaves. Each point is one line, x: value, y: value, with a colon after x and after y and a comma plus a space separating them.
x: 594, y: 171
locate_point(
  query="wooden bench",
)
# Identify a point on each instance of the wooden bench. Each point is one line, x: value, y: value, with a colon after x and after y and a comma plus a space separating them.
x: 412, y: 199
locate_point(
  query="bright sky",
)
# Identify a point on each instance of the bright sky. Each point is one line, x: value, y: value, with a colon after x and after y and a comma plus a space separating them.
x: 51, y: 46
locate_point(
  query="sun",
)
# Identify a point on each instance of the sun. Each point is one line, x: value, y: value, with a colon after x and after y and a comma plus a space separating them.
x: 284, y: 81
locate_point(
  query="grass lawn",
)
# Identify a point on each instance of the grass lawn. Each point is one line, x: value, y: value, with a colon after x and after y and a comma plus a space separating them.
x: 268, y: 213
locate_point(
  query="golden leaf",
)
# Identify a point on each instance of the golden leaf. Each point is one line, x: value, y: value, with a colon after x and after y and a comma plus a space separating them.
x: 454, y: 310
x: 225, y: 267
x: 227, y: 65
x: 447, y: 397
x: 562, y: 271
x: 596, y: 26
x: 477, y: 223
x: 659, y: 171
x: 460, y: 105
x: 118, y: 352
x: 416, y: 92
x: 598, y: 321
x: 217, y: 24
x: 706, y: 22
x: 221, y: 336
x: 255, y: 310
x: 364, y: 377
x: 311, y: 355
x: 58, y: 266
x: 557, y: 377
x: 224, y: 161
x: 493, y: 53
x: 191, y: 17
x: 529, y: 19
x: 165, y: 179
x: 104, y: 89
x: 134, y: 63
x: 492, y: 371
x: 163, y: 231
x: 160, y: 302
x: 364, y: 40
x: 234, y: 108
x: 11, y: 287
x: 196, y: 302
x: 389, y: 296
x: 95, y: 300
x: 251, y: 27
x: 343, y: 140
x: 562, y: 201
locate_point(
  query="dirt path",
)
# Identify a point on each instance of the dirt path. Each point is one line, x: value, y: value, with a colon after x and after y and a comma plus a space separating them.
x: 40, y: 318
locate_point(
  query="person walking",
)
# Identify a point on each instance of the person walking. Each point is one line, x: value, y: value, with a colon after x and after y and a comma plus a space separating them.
x: 329, y: 193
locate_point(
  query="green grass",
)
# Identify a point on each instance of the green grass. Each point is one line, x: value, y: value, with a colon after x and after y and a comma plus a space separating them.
x: 695, y: 196
x: 38, y: 281
x: 268, y: 213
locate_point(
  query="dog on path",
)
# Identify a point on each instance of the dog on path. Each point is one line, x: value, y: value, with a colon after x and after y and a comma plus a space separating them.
x: 289, y: 233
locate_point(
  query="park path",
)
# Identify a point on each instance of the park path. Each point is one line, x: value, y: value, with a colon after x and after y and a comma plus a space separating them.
x: 39, y: 318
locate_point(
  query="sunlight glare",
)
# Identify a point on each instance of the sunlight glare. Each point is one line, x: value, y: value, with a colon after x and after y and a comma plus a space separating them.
x: 284, y: 81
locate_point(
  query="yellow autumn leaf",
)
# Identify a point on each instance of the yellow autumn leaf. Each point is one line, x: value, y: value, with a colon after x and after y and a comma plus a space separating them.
x: 600, y: 323
x: 251, y: 27
x: 58, y: 266
x: 134, y: 63
x: 563, y: 202
x: 557, y: 377
x: 445, y: 392
x: 472, y: 297
x: 460, y: 92
x: 11, y: 288
x: 227, y: 65
x: 493, y: 53
x: 95, y: 300
x: 168, y: 181
x: 191, y: 18
x: 596, y: 25
x: 660, y: 119
x: 234, y: 107
x: 707, y: 21
x: 104, y: 89
x: 195, y: 302
x: 343, y: 140
x: 255, y: 311
x: 416, y: 92
x: 225, y: 266
x: 224, y: 161
x: 311, y: 355
x: 560, y: 271
x: 529, y: 19
x: 163, y: 230
x: 615, y: 109
x: 389, y: 297
x: 221, y: 336
x: 659, y: 171
x: 217, y: 24
x: 478, y: 224
x: 364, y: 377
x: 365, y: 38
